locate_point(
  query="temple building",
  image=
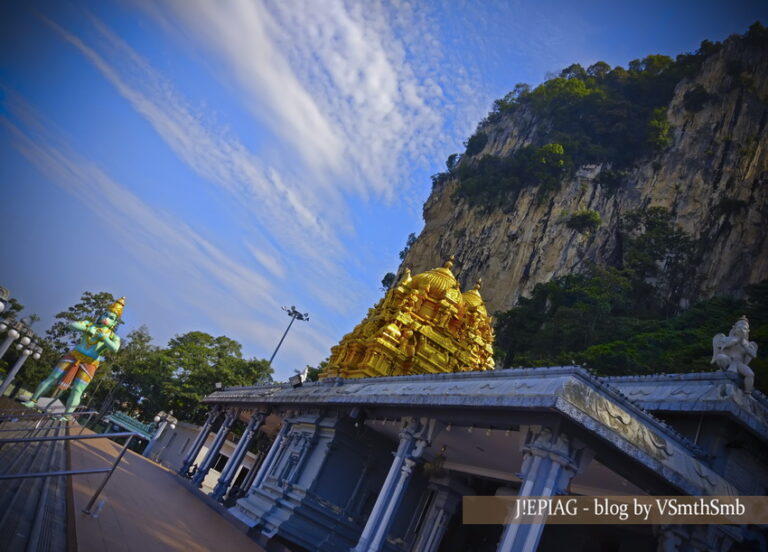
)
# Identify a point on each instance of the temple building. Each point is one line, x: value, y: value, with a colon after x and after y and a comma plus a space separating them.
x: 409, y: 416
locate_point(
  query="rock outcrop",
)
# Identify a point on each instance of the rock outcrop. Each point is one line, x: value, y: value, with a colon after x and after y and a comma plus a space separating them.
x: 713, y: 179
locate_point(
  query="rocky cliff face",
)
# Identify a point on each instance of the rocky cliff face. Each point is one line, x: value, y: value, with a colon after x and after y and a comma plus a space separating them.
x: 713, y: 179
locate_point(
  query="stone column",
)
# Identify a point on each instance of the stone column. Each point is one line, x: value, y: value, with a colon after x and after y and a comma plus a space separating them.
x: 229, y: 418
x: 443, y: 506
x: 269, y: 460
x: 251, y: 477
x: 414, y: 438
x: 199, y: 441
x: 12, y: 336
x: 230, y: 469
x: 550, y: 460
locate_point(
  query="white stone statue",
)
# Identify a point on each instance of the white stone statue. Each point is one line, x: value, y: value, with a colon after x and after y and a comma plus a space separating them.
x: 734, y: 352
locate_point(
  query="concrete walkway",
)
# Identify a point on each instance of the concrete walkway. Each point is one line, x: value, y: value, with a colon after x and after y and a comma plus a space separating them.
x: 146, y: 508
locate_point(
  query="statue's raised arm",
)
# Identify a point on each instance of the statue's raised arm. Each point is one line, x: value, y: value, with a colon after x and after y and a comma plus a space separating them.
x: 734, y: 352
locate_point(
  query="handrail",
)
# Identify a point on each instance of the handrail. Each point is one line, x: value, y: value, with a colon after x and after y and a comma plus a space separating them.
x: 44, y: 415
x: 111, y: 470
x: 69, y: 437
x: 20, y: 429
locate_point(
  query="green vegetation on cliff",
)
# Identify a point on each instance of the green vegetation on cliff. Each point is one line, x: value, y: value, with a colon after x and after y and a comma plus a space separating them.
x: 598, y: 115
x: 627, y: 319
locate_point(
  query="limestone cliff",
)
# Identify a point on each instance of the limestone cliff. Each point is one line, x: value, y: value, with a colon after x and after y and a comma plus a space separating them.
x: 712, y: 178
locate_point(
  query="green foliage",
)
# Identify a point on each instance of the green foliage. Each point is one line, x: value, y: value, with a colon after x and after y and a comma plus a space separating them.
x: 659, y: 129
x: 585, y: 319
x: 387, y: 281
x: 408, y: 243
x: 656, y: 254
x: 492, y: 177
x: 600, y: 115
x: 627, y: 319
x: 585, y: 221
x: 475, y: 144
x: 196, y: 362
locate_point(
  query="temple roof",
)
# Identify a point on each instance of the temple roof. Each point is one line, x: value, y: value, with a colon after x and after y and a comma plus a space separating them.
x: 517, y: 396
x: 423, y: 325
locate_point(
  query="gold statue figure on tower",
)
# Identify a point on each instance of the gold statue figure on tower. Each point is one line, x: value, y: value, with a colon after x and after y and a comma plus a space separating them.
x: 423, y: 325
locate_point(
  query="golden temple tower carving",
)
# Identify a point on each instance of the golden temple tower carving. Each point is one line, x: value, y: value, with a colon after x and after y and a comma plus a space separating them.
x: 423, y: 325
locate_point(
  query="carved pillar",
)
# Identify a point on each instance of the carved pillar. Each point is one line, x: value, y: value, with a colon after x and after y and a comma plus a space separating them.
x: 229, y: 418
x: 228, y: 473
x: 414, y: 438
x: 266, y: 465
x: 436, y: 519
x: 199, y: 441
x: 550, y: 460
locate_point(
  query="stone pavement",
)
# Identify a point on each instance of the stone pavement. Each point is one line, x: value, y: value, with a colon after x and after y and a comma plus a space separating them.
x: 146, y: 508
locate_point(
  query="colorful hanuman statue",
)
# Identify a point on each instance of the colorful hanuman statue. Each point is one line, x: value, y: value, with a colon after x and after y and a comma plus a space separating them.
x: 76, y: 369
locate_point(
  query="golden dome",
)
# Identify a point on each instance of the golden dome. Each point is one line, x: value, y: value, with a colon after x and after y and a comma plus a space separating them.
x: 438, y: 282
x: 423, y: 325
x: 473, y: 300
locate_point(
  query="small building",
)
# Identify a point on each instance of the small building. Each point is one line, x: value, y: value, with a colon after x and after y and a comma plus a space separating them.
x: 173, y: 446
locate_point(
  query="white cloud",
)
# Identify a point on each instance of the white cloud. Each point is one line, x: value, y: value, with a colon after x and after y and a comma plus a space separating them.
x: 360, y: 90
x: 209, y: 150
x: 229, y: 292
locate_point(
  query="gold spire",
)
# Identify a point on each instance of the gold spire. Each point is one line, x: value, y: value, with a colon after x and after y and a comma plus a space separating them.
x: 424, y: 324
x: 117, y: 307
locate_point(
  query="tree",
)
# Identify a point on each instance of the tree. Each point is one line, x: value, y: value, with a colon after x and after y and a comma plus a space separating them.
x: 585, y: 221
x: 598, y: 70
x: 409, y: 242
x: 475, y: 144
x: 387, y: 281
x: 196, y: 362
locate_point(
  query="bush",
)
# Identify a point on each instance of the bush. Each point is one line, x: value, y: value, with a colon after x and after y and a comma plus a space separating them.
x: 586, y: 221
x: 475, y: 144
x: 492, y: 178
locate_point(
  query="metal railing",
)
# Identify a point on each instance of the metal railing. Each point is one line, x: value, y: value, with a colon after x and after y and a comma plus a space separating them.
x: 109, y: 471
x: 29, y: 415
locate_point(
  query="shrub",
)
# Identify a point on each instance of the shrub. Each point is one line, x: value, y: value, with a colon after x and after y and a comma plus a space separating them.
x: 475, y: 144
x: 586, y: 221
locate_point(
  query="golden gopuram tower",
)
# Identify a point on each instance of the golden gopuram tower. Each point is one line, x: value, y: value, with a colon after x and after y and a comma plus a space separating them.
x: 423, y: 325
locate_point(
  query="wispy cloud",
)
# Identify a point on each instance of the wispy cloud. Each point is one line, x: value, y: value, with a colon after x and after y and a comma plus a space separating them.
x: 226, y: 290
x: 362, y: 91
x: 207, y: 149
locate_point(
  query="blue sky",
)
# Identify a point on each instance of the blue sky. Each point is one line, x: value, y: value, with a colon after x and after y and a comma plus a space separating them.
x: 214, y: 161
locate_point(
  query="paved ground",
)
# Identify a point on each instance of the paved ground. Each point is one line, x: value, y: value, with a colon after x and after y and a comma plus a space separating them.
x: 146, y: 509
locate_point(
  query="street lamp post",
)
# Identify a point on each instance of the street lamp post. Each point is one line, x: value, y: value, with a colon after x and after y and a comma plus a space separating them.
x: 15, y: 330
x: 295, y: 315
x: 165, y: 419
x: 27, y: 346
